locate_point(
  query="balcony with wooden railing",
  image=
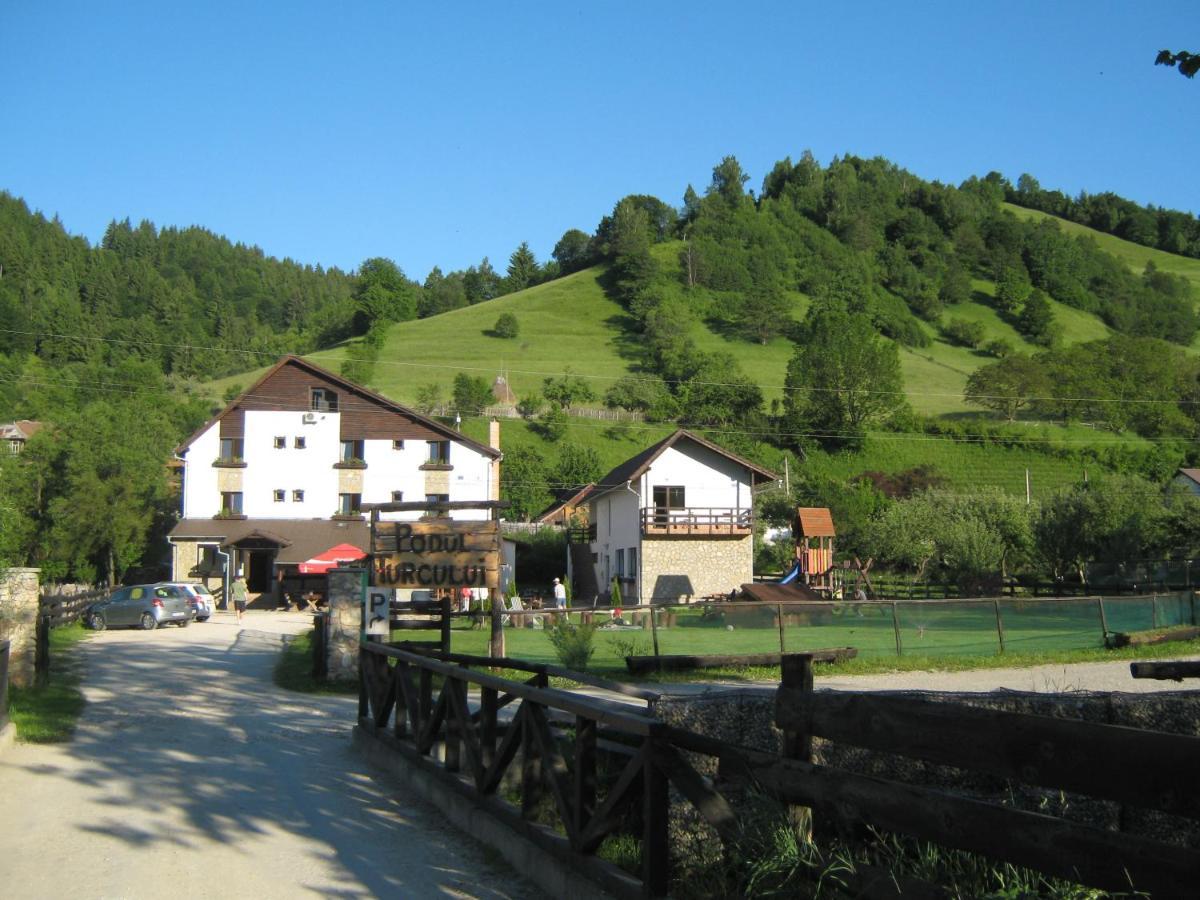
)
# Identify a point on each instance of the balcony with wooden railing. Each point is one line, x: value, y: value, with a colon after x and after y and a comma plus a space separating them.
x: 697, y: 521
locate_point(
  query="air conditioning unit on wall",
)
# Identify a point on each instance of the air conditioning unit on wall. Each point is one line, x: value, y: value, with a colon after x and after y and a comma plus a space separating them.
x: 310, y: 418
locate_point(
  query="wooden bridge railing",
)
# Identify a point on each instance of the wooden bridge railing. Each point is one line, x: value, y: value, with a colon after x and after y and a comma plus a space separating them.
x: 417, y: 704
x: 1128, y: 766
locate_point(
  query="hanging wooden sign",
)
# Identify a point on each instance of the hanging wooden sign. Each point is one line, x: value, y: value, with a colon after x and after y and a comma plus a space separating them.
x: 437, y: 554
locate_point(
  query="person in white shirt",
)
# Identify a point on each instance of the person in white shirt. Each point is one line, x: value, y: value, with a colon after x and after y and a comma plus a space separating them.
x: 560, y: 594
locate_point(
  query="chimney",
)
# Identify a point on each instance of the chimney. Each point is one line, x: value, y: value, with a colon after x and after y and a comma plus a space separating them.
x: 494, y: 442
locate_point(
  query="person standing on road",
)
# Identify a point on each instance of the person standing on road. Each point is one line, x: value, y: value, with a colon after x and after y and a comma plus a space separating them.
x: 238, y: 590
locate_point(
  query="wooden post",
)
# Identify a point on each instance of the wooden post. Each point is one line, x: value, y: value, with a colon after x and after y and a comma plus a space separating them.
x: 656, y: 844
x: 585, y: 772
x: 796, y: 676
x: 447, y: 608
x: 41, y: 652
x: 425, y: 698
x: 458, y: 689
x: 496, y: 641
x: 488, y: 706
x: 999, y: 624
x: 896, y: 628
x: 779, y: 608
x: 1103, y: 619
x: 531, y: 766
x: 364, y: 705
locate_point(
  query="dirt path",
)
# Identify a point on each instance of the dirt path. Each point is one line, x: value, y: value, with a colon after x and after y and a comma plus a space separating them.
x: 191, y: 775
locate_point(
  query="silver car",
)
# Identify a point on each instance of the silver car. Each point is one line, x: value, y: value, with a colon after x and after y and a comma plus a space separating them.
x: 143, y: 606
x: 200, y: 597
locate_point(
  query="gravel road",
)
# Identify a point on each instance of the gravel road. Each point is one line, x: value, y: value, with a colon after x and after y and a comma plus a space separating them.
x: 191, y: 775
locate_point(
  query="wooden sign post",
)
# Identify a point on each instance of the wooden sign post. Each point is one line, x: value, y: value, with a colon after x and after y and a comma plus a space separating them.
x: 440, y: 553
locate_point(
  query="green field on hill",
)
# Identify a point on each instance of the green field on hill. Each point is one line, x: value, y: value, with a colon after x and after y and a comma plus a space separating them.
x: 571, y: 323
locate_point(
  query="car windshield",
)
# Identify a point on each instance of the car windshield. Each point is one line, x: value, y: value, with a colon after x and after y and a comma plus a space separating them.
x: 202, y: 590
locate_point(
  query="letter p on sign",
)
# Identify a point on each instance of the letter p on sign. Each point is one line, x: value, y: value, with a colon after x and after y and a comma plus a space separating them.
x: 377, y: 612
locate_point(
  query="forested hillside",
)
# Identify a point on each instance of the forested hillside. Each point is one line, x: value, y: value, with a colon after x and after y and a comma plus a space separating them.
x: 834, y: 318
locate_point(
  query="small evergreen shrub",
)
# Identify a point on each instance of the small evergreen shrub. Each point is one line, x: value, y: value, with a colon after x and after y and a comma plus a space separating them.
x: 573, y: 644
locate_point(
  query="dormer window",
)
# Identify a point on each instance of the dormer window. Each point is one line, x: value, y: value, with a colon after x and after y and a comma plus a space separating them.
x: 324, y: 400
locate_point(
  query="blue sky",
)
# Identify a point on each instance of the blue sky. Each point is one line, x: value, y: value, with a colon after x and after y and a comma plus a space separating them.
x: 331, y: 133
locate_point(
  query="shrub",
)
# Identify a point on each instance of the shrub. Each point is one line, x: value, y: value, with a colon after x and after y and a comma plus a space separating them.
x: 960, y: 331
x: 573, y: 644
x: 507, y: 326
x: 999, y: 348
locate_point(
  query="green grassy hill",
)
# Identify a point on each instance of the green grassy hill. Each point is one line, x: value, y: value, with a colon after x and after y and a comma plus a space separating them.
x: 571, y: 323
x: 1134, y: 255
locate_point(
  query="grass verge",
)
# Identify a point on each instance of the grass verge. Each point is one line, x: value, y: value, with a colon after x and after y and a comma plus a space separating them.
x: 47, y: 713
x: 293, y: 671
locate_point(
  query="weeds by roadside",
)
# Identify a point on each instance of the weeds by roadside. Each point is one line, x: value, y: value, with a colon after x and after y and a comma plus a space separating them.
x: 293, y: 670
x: 46, y: 713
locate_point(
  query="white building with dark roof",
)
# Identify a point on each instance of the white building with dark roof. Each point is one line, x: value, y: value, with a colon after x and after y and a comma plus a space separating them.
x: 673, y: 523
x: 285, y: 470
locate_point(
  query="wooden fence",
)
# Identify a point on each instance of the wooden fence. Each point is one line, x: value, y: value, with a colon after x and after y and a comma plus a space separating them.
x: 560, y: 735
x: 54, y: 612
x: 1132, y: 767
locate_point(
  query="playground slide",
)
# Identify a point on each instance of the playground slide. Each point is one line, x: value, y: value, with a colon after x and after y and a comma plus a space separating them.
x: 792, y: 575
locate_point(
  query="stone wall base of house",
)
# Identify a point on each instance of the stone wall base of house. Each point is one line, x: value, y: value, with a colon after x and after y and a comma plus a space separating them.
x: 675, y: 570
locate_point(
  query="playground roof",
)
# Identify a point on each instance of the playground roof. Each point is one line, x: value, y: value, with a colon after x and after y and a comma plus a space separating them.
x: 815, y: 521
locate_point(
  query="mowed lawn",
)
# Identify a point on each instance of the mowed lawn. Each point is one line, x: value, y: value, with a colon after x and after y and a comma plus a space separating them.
x: 925, y: 629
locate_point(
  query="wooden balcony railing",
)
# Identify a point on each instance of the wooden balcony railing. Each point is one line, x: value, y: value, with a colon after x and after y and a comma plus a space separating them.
x: 697, y: 520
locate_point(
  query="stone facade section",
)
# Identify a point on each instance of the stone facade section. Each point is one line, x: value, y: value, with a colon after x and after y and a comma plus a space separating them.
x: 679, y: 569
x: 18, y: 621
x: 345, y: 622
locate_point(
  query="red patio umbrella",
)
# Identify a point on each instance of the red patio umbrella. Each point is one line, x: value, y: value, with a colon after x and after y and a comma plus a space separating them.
x: 323, y: 562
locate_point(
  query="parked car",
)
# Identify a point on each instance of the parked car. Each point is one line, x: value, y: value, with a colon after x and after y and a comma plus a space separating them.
x: 143, y: 606
x: 200, y: 597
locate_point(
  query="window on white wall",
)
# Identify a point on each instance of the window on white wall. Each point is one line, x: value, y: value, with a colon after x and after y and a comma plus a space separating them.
x: 632, y: 560
x: 299, y: 443
x: 620, y: 573
x: 397, y: 445
x: 231, y: 503
x: 397, y: 496
x: 667, y: 498
x: 349, y: 504
x: 324, y: 400
x: 280, y: 442
x: 279, y: 495
x: 297, y: 496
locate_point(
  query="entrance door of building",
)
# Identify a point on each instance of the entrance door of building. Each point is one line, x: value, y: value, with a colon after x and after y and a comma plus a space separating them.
x: 260, y: 566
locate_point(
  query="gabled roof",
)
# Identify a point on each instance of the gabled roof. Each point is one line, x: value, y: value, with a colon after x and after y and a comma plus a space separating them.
x: 1193, y: 474
x: 815, y: 521
x: 634, y: 467
x: 350, y: 387
x: 563, y: 497
x: 21, y: 430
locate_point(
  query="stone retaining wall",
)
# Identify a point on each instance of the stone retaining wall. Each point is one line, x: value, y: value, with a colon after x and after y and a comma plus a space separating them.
x: 18, y: 621
x: 747, y: 718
